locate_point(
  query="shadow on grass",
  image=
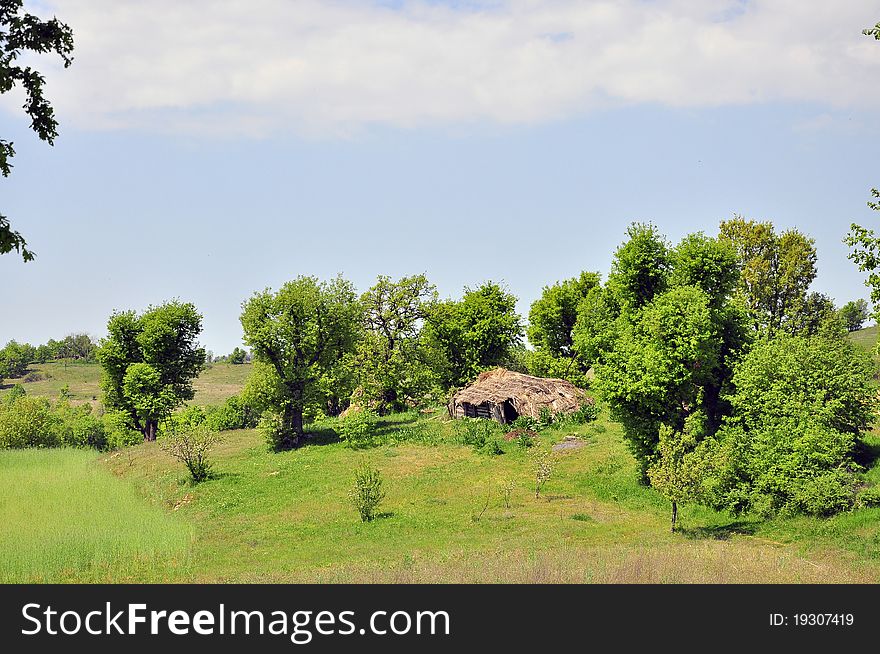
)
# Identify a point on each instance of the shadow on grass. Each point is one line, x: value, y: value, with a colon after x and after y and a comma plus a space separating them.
x: 719, y: 532
x: 866, y: 454
x: 321, y: 436
x: 385, y: 515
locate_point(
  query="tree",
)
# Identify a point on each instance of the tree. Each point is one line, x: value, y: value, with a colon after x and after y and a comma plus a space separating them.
x: 390, y: 361
x: 149, y: 362
x: 237, y: 356
x: 854, y: 314
x: 873, y: 31
x: 677, y: 474
x: 865, y: 253
x: 640, y: 267
x: 21, y: 32
x: 473, y: 334
x: 775, y: 271
x: 15, y: 358
x: 296, y: 335
x: 76, y: 346
x: 661, y: 363
x: 552, y: 319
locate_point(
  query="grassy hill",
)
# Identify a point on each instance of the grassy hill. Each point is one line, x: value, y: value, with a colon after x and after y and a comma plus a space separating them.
x: 213, y: 386
x: 132, y: 515
x: 285, y: 517
x: 866, y: 338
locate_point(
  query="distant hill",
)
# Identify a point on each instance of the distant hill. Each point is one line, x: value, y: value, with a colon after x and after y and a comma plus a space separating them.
x: 866, y: 338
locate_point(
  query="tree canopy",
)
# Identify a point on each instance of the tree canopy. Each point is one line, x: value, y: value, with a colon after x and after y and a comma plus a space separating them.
x: 392, y: 365
x: 467, y: 336
x: 776, y: 271
x: 149, y: 362
x: 297, y: 334
x: 21, y: 32
x: 552, y: 320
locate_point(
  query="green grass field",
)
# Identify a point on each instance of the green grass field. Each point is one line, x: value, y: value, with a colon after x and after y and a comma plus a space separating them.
x: 865, y: 338
x: 214, y: 385
x: 285, y: 517
x: 66, y: 518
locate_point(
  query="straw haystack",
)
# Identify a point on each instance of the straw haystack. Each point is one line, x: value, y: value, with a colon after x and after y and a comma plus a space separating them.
x: 504, y: 395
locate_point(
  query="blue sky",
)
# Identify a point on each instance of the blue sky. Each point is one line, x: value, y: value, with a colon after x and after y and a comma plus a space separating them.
x: 480, y: 150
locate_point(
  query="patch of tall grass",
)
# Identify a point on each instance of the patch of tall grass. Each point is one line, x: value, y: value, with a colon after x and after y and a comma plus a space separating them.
x: 65, y: 517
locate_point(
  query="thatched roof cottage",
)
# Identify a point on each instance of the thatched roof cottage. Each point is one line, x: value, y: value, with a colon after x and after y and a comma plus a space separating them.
x: 504, y: 395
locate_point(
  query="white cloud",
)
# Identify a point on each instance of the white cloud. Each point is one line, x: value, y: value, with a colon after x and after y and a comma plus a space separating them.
x: 260, y: 66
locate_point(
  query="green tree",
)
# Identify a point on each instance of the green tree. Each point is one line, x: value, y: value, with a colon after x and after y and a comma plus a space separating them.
x: 391, y: 362
x: 297, y: 335
x: 473, y: 334
x: 865, y: 253
x: 665, y: 361
x: 552, y: 319
x: 237, y: 356
x: 676, y: 474
x: 21, y: 32
x: 149, y: 362
x: 854, y: 314
x: 873, y: 31
x: 15, y: 358
x: 776, y: 271
x: 800, y: 405
x: 640, y: 267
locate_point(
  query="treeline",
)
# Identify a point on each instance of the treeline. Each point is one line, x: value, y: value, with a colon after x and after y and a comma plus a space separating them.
x: 16, y: 357
x: 735, y: 384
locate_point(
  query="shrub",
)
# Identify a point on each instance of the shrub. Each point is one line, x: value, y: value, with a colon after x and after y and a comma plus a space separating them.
x: 79, y: 427
x: 357, y: 429
x: 524, y: 423
x: 271, y: 426
x: 543, y: 466
x: 187, y: 418
x: 191, y: 446
x: 117, y: 432
x: 480, y: 434
x: 28, y: 422
x: 799, y: 407
x: 235, y: 413
x: 587, y: 412
x: 367, y: 493
x: 868, y: 497
x: 15, y: 392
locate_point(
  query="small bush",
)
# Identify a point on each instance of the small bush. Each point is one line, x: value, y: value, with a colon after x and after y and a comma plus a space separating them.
x: 79, y: 427
x: 822, y: 495
x: 191, y: 447
x: 868, y: 497
x: 586, y: 413
x: 117, y: 433
x: 525, y: 423
x: 480, y: 434
x: 367, y: 493
x: 543, y: 466
x: 357, y: 429
x: 28, y: 422
x: 15, y: 392
x: 187, y: 418
x: 235, y: 413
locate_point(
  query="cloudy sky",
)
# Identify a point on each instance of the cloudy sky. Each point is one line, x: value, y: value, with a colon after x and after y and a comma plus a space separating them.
x: 210, y: 149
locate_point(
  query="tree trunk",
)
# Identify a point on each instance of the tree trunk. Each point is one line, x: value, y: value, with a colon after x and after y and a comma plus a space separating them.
x: 674, y: 515
x: 150, y: 428
x: 292, y: 428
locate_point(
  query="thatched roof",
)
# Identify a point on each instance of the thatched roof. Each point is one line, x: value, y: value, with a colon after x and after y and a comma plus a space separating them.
x: 498, y: 391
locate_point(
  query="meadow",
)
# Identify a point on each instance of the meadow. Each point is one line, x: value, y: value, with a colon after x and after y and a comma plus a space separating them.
x: 132, y: 515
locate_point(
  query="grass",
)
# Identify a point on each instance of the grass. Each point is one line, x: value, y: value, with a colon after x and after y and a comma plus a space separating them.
x: 217, y: 382
x: 285, y: 517
x: 865, y: 338
x: 66, y: 518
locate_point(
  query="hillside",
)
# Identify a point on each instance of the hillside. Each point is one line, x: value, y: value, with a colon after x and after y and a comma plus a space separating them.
x: 217, y: 382
x: 285, y: 517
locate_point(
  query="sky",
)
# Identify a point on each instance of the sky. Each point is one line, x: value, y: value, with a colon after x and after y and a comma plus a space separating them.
x: 209, y: 150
